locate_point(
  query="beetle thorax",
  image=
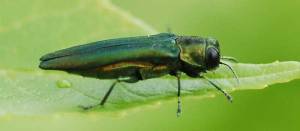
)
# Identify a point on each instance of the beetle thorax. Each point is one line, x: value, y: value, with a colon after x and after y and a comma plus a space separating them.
x: 192, y: 50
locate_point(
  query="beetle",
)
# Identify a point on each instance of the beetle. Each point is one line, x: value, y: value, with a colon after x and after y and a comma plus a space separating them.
x: 139, y: 58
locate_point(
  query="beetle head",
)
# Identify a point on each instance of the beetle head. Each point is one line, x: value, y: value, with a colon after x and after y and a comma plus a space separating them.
x: 200, y: 52
x: 212, y: 54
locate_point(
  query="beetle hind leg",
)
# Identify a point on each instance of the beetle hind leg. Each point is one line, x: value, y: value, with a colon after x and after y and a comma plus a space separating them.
x: 107, y: 94
x: 103, y: 100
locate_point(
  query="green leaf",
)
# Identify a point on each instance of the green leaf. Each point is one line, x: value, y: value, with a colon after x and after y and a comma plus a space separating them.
x: 32, y: 92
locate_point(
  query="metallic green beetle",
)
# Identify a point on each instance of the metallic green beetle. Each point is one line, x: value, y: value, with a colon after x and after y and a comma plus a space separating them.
x: 139, y: 58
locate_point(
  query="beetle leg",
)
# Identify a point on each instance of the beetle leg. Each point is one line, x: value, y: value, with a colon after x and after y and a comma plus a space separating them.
x: 108, y: 92
x: 228, y: 96
x: 178, y: 95
x: 129, y: 80
x: 104, y: 98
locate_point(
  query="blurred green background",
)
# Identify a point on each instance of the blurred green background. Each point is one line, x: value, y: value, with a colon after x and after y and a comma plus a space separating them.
x: 252, y: 31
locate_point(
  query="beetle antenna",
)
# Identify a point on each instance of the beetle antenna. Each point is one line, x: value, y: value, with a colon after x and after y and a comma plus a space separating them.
x: 228, y: 58
x: 229, y: 67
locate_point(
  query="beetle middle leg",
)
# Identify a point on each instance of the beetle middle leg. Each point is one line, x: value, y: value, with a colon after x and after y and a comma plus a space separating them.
x: 228, y: 96
x: 178, y: 94
x: 178, y: 75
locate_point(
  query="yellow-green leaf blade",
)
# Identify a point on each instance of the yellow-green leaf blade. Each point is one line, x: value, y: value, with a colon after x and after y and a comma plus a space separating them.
x: 31, y: 92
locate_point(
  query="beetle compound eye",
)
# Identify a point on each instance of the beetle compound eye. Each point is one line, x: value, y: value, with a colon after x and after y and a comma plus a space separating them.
x: 212, y: 58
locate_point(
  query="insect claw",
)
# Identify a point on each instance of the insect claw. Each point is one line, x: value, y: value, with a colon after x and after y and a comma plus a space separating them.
x: 229, y: 98
x: 87, y: 107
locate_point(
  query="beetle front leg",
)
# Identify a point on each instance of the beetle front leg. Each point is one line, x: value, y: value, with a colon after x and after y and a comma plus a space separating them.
x: 228, y: 96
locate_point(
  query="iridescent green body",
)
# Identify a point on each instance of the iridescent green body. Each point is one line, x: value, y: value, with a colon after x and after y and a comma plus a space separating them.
x: 139, y: 58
